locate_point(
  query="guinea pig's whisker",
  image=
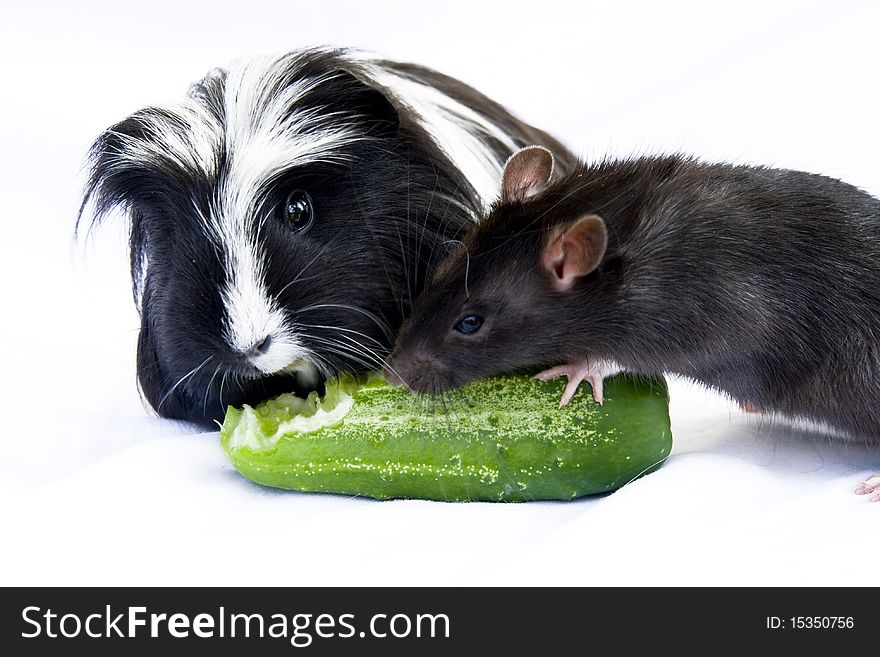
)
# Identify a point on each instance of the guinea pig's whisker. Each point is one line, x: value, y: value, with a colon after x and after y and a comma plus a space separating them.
x: 364, y: 348
x: 382, y: 260
x: 403, y: 250
x: 344, y: 350
x: 317, y: 276
x: 181, y: 380
x: 146, y: 367
x: 302, y: 271
x: 222, y: 383
x: 404, y: 267
x: 467, y: 265
x: 208, y: 389
x: 364, y: 358
x: 390, y: 368
x: 381, y: 246
x: 343, y: 329
x: 436, y: 240
x: 324, y: 365
x: 340, y: 348
x: 382, y: 324
x: 349, y: 353
x: 374, y: 361
x: 422, y: 228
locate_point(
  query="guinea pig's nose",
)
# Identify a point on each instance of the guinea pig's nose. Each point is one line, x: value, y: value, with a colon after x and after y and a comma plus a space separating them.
x: 262, y: 346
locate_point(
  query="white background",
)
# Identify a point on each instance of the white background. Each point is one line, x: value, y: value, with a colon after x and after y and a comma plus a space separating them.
x: 95, y: 491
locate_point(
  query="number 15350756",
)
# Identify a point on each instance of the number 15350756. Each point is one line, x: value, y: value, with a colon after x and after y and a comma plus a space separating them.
x: 810, y: 623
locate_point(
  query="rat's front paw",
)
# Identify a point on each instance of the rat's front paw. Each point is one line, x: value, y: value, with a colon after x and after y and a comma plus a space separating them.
x: 871, y: 486
x: 583, y: 370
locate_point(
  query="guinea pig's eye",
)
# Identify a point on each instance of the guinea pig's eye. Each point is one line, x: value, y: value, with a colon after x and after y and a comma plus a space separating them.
x: 297, y: 210
x: 469, y: 324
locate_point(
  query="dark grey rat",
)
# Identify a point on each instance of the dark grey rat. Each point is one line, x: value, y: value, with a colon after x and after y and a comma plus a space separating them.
x: 761, y: 283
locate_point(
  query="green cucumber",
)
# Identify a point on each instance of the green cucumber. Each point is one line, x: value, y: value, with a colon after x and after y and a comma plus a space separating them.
x: 500, y: 439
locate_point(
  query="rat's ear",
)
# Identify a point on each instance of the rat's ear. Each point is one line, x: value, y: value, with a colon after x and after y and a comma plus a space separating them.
x: 575, y: 250
x: 526, y: 173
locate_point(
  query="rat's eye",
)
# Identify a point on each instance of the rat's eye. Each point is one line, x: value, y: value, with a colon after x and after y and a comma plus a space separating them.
x: 469, y: 324
x: 297, y: 210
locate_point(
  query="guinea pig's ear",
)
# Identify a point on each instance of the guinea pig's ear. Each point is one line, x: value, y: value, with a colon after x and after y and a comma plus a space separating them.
x: 350, y: 92
x: 575, y: 250
x: 526, y: 173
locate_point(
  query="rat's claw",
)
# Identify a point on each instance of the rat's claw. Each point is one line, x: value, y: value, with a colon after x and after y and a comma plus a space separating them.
x: 570, y: 388
x: 596, y: 379
x: 870, y: 485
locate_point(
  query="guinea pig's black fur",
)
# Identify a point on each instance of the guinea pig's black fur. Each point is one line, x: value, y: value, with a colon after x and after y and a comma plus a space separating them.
x: 237, y: 300
x: 759, y: 282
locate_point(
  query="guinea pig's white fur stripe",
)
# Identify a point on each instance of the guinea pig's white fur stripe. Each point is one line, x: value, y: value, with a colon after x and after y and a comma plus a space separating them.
x: 251, y: 314
x: 187, y: 134
x: 458, y: 130
x: 268, y: 133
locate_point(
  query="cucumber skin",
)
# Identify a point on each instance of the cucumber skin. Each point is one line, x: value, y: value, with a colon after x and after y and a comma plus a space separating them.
x: 513, y: 443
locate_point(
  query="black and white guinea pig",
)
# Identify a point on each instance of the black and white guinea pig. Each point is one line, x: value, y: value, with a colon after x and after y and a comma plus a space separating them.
x: 285, y: 214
